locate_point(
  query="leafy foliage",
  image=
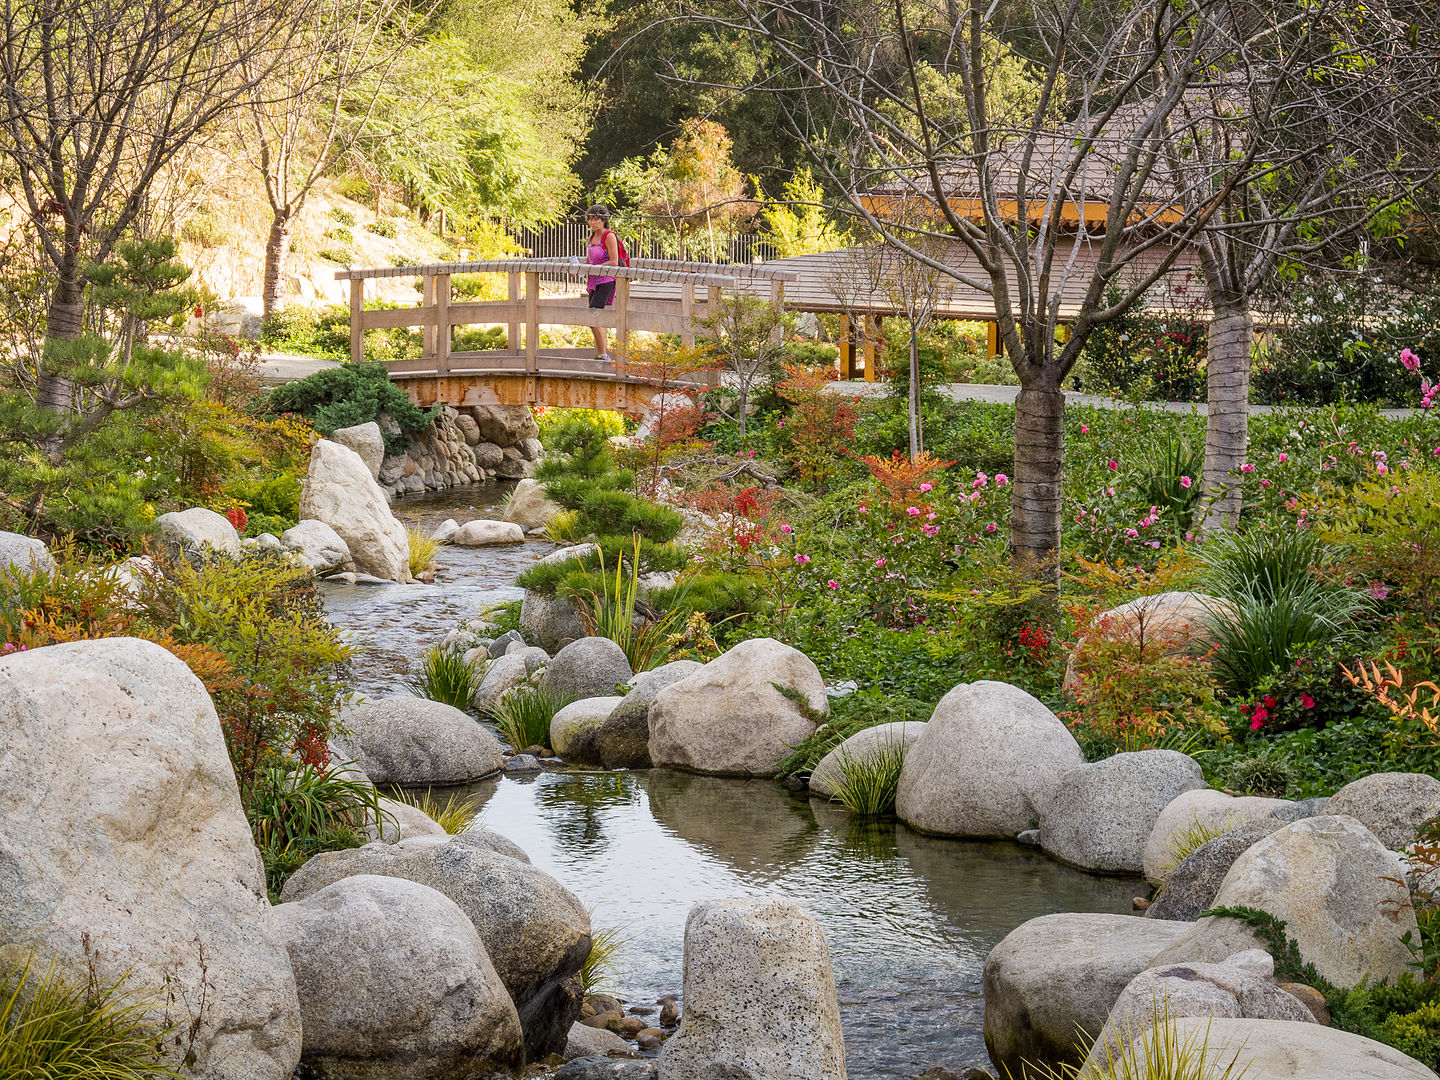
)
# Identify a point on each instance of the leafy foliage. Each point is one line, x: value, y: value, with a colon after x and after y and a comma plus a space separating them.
x: 349, y: 395
x: 869, y: 779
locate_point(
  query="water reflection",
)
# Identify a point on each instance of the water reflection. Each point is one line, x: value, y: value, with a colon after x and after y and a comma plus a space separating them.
x: 909, y: 918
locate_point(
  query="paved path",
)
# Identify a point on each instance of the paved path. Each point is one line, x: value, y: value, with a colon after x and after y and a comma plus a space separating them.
x: 276, y: 368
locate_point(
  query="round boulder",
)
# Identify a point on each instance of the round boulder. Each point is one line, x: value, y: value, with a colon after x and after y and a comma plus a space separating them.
x: 21, y: 554
x: 340, y: 491
x: 319, y: 545
x: 394, y: 981
x: 551, y: 622
x: 482, y: 533
x: 1194, y: 817
x: 728, y: 718
x: 589, y: 667
x: 505, y: 425
x: 1176, y: 622
x: 529, y: 506
x: 410, y: 740
x: 1100, y: 816
x: 986, y: 763
x: 1340, y: 892
x: 1190, y: 888
x: 366, y: 440
x: 506, y: 673
x: 1051, y: 981
x: 1392, y: 805
x: 536, y: 931
x: 826, y: 779
x: 190, y: 533
x: 759, y: 996
x: 577, y: 723
x: 401, y: 821
x: 623, y: 741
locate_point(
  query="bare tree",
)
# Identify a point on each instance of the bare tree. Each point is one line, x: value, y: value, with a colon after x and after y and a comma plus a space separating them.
x: 315, y: 104
x: 1037, y: 131
x: 99, y: 96
x: 746, y: 335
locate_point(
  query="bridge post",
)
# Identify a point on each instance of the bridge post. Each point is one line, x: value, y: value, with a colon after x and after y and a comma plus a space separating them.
x: 871, y: 332
x: 532, y: 336
x: 427, y: 305
x: 512, y: 331
x: 687, y: 309
x: 357, y: 320
x: 442, y: 323
x: 713, y: 295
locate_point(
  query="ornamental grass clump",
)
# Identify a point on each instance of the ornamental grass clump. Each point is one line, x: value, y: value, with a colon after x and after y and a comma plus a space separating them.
x: 611, y: 612
x: 870, y: 778
x: 298, y: 811
x: 601, y: 967
x: 54, y: 1029
x: 423, y: 550
x: 524, y: 714
x: 455, y: 815
x: 446, y: 676
x: 1153, y: 1051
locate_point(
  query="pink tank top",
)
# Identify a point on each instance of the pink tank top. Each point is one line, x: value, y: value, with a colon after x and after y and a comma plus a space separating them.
x: 596, y: 254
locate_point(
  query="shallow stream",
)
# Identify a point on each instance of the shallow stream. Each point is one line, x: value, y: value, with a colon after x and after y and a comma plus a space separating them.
x: 909, y: 919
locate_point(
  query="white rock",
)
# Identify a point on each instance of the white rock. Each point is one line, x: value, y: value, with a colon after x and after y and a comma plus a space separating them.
x: 759, y: 996
x: 125, y: 849
x: 1197, y: 813
x: 529, y: 506
x: 986, y: 764
x: 587, y: 667
x: 551, y: 622
x: 505, y: 674
x: 445, y: 531
x: 481, y: 533
x: 320, y: 546
x: 826, y: 777
x: 410, y: 740
x: 25, y: 555
x: 393, y: 980
x: 340, y: 491
x: 366, y: 440
x: 505, y: 425
x: 194, y: 531
x: 587, y: 714
x: 1050, y: 983
x: 1101, y: 815
x: 728, y: 718
x: 1340, y: 892
x: 1280, y: 1050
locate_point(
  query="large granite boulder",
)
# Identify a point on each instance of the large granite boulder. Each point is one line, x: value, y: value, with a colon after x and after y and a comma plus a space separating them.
x: 394, y: 981
x: 367, y: 440
x: 483, y: 532
x: 550, y: 622
x: 728, y: 718
x: 124, y: 849
x: 191, y: 533
x: 505, y: 674
x: 623, y: 741
x: 1050, y: 983
x: 24, y: 555
x: 1392, y: 805
x: 319, y: 545
x: 1100, y: 816
x: 529, y: 506
x: 340, y: 491
x: 589, y: 667
x: 826, y: 778
x: 1190, y: 888
x: 505, y: 425
x: 1175, y: 622
x: 1340, y: 892
x: 1195, y: 816
x: 986, y: 764
x: 402, y: 739
x: 1283, y: 1050
x: 572, y: 729
x: 759, y: 996
x: 1241, y: 986
x: 536, y: 931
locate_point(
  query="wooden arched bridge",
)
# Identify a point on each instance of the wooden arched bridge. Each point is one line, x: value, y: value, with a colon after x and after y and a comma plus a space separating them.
x: 656, y: 295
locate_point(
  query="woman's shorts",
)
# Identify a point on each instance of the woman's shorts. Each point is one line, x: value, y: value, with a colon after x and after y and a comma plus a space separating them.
x: 603, y: 295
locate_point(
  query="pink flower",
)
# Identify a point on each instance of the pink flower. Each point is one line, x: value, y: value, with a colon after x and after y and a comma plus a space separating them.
x: 802, y: 559
x: 930, y: 530
x: 1306, y: 701
x: 1265, y: 483
x: 1155, y: 544
x: 785, y: 528
x: 863, y: 510
x: 832, y: 583
x: 879, y: 562
x: 1001, y: 479
x: 1185, y: 481
x: 926, y: 486
x: 1247, y: 467
x: 1410, y: 360
x: 1110, y: 491
x: 1084, y: 430
x: 1259, y: 721
x: 1113, y: 466
x: 1382, y: 468
x: 1131, y: 532
x: 980, y: 480
x: 913, y: 511
x: 1379, y: 590
x: 1283, y: 458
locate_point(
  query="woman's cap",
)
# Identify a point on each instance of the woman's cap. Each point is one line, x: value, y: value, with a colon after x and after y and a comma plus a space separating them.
x: 601, y: 212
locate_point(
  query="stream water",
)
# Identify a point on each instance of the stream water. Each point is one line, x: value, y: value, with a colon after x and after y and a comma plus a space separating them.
x: 909, y: 919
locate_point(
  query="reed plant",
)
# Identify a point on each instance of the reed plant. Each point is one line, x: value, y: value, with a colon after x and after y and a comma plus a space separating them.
x: 610, y: 611
x: 423, y: 550
x: 445, y: 675
x: 1154, y: 1051
x: 455, y: 815
x: 870, y: 778
x: 298, y: 811
x: 564, y: 527
x: 602, y: 967
x: 52, y: 1028
x: 524, y: 714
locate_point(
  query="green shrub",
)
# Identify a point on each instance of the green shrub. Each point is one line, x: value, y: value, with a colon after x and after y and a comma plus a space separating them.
x: 524, y: 714
x: 341, y: 235
x: 812, y: 353
x: 204, y: 230
x: 445, y: 676
x: 55, y: 1028
x: 1265, y: 771
x: 355, y: 188
x: 381, y: 228
x: 353, y: 394
x: 298, y: 811
x: 479, y: 338
x: 343, y: 216
x: 343, y: 256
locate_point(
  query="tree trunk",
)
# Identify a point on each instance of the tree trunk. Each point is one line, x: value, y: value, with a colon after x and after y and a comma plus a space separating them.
x: 1035, y: 496
x: 55, y: 390
x: 914, y: 395
x: 1227, y: 381
x: 277, y: 249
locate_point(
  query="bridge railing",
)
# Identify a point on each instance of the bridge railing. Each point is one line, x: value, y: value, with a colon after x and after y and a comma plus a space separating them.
x: 525, y: 310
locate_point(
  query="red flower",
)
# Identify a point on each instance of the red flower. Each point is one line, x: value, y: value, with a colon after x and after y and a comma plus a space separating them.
x: 237, y: 517
x: 1269, y: 702
x: 1306, y: 701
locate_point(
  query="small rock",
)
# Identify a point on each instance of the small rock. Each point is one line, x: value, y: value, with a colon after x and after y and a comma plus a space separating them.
x: 631, y: 1026
x: 641, y: 1010
x: 669, y: 1012
x: 190, y: 533
x: 402, y: 739
x: 1139, y: 903
x: 1311, y: 998
x: 482, y: 533
x: 499, y: 646
x: 1028, y: 838
x: 445, y: 531
x: 585, y: 1041
x: 844, y: 688
x: 650, y: 1039
x: 319, y: 545
x: 529, y: 507
x: 24, y: 554
x: 522, y: 763
x: 609, y: 1020
x: 606, y: 1068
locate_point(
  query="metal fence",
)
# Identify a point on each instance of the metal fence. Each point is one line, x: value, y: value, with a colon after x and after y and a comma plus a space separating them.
x: 566, y: 239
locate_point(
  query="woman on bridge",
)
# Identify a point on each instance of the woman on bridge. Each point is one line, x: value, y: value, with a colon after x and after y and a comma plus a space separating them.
x: 603, y: 250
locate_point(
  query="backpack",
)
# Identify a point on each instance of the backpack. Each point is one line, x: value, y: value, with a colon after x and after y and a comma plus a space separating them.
x: 619, y: 246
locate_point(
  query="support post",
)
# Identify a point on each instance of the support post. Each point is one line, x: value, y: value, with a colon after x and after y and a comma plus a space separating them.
x: 846, y: 360
x: 713, y: 295
x: 532, y: 329
x: 870, y: 332
x: 687, y: 312
x: 992, y: 339
x: 357, y: 320
x: 442, y: 323
x: 622, y: 324
x: 512, y: 331
x: 427, y: 314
